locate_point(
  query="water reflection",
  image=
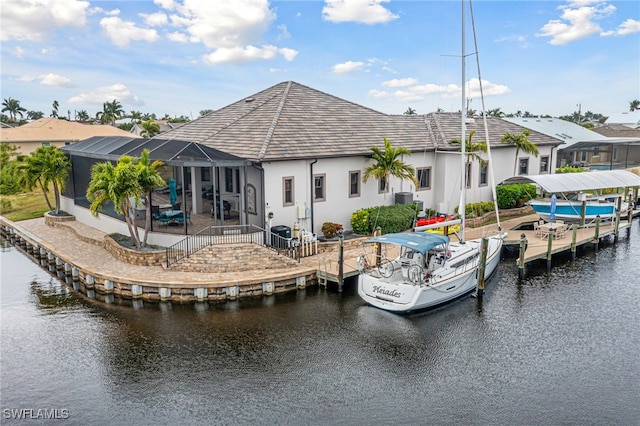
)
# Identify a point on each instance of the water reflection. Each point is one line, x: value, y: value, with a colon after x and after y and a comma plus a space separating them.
x: 556, y: 347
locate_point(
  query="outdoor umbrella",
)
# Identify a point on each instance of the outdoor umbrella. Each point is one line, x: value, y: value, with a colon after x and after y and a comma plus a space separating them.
x: 173, y: 194
x: 552, y: 211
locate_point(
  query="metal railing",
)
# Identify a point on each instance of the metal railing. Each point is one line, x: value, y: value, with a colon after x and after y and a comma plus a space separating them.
x: 234, y: 234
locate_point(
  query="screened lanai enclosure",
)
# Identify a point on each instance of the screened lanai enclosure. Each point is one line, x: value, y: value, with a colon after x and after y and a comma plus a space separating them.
x: 210, y: 186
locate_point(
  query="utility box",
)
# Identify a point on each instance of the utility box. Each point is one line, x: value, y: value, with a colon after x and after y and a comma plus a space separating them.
x: 404, y: 198
x: 281, y: 231
x: 419, y: 204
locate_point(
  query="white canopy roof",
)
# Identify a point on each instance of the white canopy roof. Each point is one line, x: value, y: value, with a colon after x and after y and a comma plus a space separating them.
x: 572, y: 182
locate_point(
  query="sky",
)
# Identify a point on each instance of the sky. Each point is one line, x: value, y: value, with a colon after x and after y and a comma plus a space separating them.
x: 180, y: 57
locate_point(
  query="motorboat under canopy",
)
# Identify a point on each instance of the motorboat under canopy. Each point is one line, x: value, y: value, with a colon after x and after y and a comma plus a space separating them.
x: 418, y: 241
x: 583, y: 181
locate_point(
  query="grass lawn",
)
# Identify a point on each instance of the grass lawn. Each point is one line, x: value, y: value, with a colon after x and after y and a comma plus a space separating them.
x: 26, y: 205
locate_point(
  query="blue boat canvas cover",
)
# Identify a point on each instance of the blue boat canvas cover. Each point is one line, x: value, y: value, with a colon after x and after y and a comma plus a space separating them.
x: 418, y: 241
x: 574, y: 182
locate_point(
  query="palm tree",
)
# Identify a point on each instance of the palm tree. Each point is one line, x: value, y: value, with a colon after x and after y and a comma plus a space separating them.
x: 150, y: 129
x: 34, y: 115
x: 13, y: 107
x: 522, y: 143
x: 54, y: 111
x: 82, y: 115
x: 387, y: 164
x: 633, y: 105
x: 473, y: 148
x: 46, y: 166
x: 124, y: 185
x: 410, y: 111
x: 111, y: 111
x: 135, y: 116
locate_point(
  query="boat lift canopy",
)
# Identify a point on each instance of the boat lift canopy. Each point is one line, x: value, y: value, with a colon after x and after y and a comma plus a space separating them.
x: 418, y: 241
x: 574, y: 182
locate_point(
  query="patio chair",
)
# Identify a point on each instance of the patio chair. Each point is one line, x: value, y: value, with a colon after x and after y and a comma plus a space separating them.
x: 176, y: 206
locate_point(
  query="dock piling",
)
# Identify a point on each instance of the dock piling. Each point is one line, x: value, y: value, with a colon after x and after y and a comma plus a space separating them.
x: 341, y: 261
x: 549, y: 250
x: 596, y: 236
x: 574, y: 238
x: 523, y: 248
x: 483, y: 264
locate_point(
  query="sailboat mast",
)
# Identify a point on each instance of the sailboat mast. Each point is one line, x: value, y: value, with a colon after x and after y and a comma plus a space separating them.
x: 463, y: 139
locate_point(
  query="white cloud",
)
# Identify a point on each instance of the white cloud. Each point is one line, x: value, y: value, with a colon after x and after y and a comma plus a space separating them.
x: 378, y: 94
x: 400, y: 82
x: 630, y: 26
x: 429, y: 88
x: 178, y: 37
x: 55, y: 80
x: 155, y: 19
x: 362, y: 11
x: 239, y: 55
x: 122, y: 32
x: 224, y: 24
x: 117, y: 91
x: 34, y: 20
x: 577, y: 22
x: 488, y: 88
x: 407, y: 96
x: 27, y: 78
x: 18, y: 52
x: 348, y: 66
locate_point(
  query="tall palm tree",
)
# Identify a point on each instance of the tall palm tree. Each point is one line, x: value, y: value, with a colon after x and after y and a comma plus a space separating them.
x: 387, y: 164
x: 634, y: 105
x: 150, y: 129
x: 410, y: 111
x: 13, y: 107
x: 124, y: 185
x: 54, y: 111
x: 111, y: 111
x: 522, y: 143
x: 46, y: 166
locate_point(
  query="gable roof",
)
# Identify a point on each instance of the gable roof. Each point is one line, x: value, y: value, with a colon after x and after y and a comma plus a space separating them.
x: 293, y: 121
x: 53, y: 129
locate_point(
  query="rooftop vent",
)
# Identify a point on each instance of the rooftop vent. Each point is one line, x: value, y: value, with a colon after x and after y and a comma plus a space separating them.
x: 249, y: 100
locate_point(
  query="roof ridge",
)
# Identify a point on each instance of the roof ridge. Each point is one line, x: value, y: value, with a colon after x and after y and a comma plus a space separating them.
x: 274, y: 122
x: 227, y: 125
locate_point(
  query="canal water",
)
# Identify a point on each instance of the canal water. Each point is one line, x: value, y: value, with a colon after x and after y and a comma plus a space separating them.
x: 557, y: 348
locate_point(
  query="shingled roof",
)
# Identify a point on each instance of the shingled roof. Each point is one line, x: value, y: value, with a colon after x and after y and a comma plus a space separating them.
x: 292, y: 121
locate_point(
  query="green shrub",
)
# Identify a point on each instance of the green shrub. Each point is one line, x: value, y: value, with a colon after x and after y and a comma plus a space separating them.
x: 330, y: 229
x: 395, y: 218
x: 514, y: 195
x: 569, y: 169
x: 9, y: 180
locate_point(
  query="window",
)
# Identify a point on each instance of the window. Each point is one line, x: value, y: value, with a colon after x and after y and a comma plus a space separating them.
x: 544, y: 164
x: 46, y: 144
x: 287, y: 191
x: 205, y: 174
x: 423, y: 175
x: 354, y: 183
x: 615, y: 154
x: 467, y: 177
x: 382, y: 185
x: 319, y: 188
x: 228, y: 179
x: 523, y: 168
x: 596, y: 151
x: 483, y: 174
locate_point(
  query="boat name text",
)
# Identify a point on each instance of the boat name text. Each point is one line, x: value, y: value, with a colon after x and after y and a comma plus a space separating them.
x: 391, y: 293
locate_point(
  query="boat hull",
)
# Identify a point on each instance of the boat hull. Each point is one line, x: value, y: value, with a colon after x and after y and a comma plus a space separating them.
x: 571, y: 210
x: 404, y: 296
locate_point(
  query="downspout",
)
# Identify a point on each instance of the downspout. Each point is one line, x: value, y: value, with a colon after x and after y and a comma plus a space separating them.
x: 312, y: 188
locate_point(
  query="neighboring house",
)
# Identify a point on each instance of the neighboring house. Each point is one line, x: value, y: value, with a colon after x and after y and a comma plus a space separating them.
x: 164, y: 125
x: 303, y: 153
x: 53, y: 132
x: 584, y: 147
x: 629, y: 119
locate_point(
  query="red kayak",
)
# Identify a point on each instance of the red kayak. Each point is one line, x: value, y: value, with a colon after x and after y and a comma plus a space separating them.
x: 432, y: 220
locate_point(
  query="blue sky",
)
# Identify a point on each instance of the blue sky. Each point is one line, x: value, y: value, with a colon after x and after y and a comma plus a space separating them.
x: 179, y: 57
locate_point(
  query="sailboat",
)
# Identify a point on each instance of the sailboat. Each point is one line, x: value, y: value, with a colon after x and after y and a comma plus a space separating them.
x: 430, y: 269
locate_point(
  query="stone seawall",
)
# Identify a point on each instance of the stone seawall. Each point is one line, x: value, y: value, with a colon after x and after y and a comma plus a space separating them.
x: 141, y: 285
